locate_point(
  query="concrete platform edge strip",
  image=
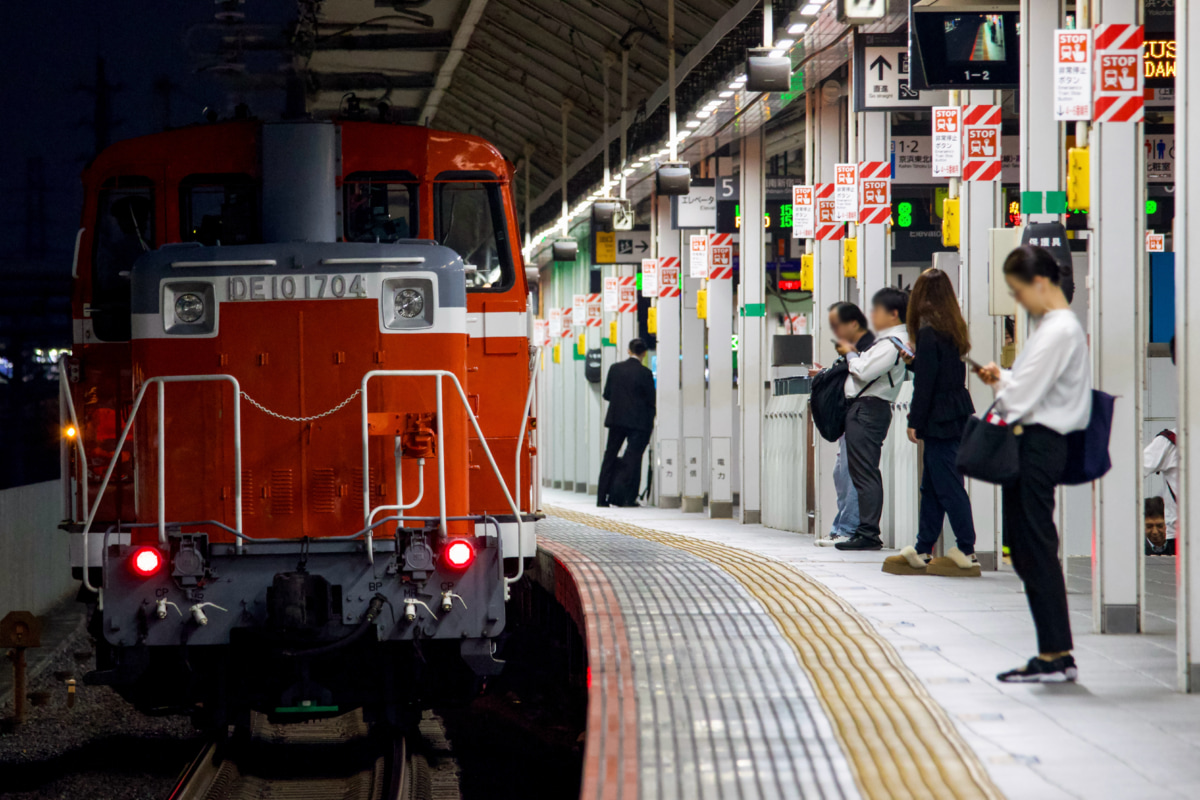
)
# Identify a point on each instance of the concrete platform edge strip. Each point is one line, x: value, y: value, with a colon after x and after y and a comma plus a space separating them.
x: 899, y: 741
x: 610, y: 753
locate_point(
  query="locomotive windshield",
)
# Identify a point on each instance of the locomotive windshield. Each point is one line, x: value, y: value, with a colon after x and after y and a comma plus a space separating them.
x: 469, y: 217
x: 219, y: 210
x: 124, y: 230
x: 380, y: 207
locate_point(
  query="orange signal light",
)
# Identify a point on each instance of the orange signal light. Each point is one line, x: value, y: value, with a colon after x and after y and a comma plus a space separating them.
x: 70, y: 432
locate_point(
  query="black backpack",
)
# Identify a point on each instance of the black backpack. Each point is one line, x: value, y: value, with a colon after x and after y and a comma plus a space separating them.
x: 827, y: 400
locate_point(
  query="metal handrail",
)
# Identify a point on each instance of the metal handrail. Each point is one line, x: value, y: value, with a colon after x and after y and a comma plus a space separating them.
x: 161, y: 380
x: 65, y: 399
x: 440, y: 375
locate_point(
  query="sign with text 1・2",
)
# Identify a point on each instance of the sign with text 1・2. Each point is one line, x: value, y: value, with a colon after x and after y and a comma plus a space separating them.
x: 882, y: 78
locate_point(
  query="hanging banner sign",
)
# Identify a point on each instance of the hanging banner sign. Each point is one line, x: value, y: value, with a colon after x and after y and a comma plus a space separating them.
x: 803, y: 213
x: 579, y: 308
x: 611, y: 288
x: 668, y: 276
x: 541, y: 332
x: 947, y: 142
x: 594, y: 311
x: 1073, y: 75
x: 649, y: 277
x: 845, y: 192
x: 556, y: 322
x: 698, y: 264
x: 1119, y: 95
x: 981, y: 143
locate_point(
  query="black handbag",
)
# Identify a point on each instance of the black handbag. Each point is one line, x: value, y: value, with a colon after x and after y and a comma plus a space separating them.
x: 989, y: 452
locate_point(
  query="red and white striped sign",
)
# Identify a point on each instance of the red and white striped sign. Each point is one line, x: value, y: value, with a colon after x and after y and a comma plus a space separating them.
x: 874, y: 192
x: 627, y: 297
x: 595, y: 311
x: 845, y: 192
x: 541, y: 332
x: 649, y: 277
x: 720, y: 256
x: 567, y: 333
x: 828, y: 228
x: 804, y: 216
x: 981, y: 143
x: 668, y: 276
x: 1118, y: 78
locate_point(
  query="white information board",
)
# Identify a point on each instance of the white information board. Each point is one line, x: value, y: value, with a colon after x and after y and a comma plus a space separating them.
x: 804, y: 218
x: 1073, y: 75
x: 947, y: 142
x: 698, y: 263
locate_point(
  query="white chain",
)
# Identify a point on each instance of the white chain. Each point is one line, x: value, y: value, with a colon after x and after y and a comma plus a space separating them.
x: 286, y: 418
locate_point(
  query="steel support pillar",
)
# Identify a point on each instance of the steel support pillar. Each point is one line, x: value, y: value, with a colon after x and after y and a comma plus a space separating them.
x: 583, y: 389
x: 980, y: 210
x: 669, y: 426
x: 1117, y: 253
x: 873, y: 142
x: 694, y: 444
x: 1187, y: 346
x: 824, y: 150
x: 720, y: 398
x: 752, y: 323
x: 571, y: 416
x: 558, y: 381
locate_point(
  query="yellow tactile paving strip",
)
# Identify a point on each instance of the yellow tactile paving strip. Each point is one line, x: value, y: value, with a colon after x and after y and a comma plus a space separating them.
x: 899, y: 741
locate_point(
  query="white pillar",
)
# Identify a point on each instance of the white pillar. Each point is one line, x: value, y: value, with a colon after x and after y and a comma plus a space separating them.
x: 1117, y: 249
x: 669, y: 425
x: 571, y: 416
x: 558, y: 382
x: 1187, y: 346
x: 597, y: 408
x: 752, y: 320
x: 583, y: 393
x: 695, y: 445
x: 874, y: 263
x: 981, y: 209
x: 720, y: 398
x: 825, y: 150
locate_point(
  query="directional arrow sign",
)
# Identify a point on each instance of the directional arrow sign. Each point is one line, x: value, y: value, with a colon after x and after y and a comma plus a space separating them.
x: 631, y: 246
x: 879, y: 63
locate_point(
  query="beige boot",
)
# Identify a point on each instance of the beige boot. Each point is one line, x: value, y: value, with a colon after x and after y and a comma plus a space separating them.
x: 955, y: 564
x: 909, y: 562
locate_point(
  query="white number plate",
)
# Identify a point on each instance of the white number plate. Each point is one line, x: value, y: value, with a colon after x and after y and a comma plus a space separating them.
x: 295, y: 287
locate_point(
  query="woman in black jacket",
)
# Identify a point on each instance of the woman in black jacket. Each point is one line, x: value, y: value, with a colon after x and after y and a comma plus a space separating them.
x: 937, y: 416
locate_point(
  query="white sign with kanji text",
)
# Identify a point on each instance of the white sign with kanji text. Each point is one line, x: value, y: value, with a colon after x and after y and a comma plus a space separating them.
x: 1073, y: 75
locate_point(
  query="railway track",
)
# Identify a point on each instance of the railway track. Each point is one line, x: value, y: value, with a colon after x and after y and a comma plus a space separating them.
x: 339, y: 758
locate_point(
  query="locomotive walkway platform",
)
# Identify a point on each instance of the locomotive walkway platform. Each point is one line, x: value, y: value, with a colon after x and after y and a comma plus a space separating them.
x: 740, y: 661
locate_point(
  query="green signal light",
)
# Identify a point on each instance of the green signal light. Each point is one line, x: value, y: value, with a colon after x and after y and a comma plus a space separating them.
x: 1151, y: 206
x: 904, y: 214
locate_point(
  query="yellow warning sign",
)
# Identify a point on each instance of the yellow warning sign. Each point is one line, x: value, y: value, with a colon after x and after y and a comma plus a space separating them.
x: 606, y: 247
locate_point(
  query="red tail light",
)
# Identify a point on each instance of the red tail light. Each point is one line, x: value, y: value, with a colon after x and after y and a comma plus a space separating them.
x: 146, y: 561
x: 459, y: 554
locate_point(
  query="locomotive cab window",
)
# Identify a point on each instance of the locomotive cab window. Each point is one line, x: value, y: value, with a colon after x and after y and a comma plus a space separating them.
x: 124, y: 230
x: 219, y: 210
x: 469, y: 219
x: 380, y: 206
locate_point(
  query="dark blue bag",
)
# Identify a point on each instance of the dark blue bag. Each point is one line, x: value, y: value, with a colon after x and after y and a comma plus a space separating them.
x: 1087, y: 450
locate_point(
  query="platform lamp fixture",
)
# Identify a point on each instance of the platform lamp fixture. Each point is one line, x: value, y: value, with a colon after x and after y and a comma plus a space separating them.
x: 767, y: 68
x: 674, y: 177
x: 565, y: 249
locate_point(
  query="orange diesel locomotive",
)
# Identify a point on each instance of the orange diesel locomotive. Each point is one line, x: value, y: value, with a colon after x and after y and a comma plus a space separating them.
x: 301, y: 385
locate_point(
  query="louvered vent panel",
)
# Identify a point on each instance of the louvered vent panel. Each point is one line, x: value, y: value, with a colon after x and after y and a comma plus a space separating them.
x: 322, y: 492
x: 249, y: 499
x: 282, y: 495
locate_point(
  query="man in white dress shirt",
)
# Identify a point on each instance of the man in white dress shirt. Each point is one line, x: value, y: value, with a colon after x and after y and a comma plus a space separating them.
x: 871, y: 387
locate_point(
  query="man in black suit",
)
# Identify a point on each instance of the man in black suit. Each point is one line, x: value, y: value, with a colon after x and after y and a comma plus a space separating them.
x: 630, y: 393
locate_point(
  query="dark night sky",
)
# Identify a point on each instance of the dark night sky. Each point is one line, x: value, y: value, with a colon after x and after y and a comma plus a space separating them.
x: 48, y: 51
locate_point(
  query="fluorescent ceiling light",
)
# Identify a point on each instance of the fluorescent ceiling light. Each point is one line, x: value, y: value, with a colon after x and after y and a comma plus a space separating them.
x: 810, y: 9
x: 726, y: 94
x: 703, y: 113
x: 777, y: 53
x: 785, y: 44
x: 628, y: 171
x: 737, y: 85
x: 682, y: 135
x: 693, y: 123
x: 797, y: 28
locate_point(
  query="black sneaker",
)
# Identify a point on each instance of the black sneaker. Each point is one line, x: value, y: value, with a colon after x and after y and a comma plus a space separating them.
x: 1060, y: 670
x: 857, y: 542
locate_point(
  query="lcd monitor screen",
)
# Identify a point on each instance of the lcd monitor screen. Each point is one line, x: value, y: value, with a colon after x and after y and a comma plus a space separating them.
x: 957, y: 50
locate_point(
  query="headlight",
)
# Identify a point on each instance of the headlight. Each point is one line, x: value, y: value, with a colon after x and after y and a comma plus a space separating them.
x: 410, y: 303
x: 189, y: 307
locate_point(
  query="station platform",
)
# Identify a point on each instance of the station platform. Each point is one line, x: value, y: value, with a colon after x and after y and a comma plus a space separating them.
x: 733, y: 660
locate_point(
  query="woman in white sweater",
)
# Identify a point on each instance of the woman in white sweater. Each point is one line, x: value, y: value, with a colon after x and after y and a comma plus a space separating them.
x: 1046, y: 395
